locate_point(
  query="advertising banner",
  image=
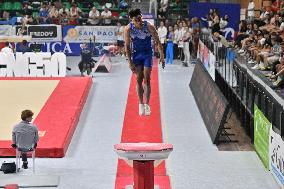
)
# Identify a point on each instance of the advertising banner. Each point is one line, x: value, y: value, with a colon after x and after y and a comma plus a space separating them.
x: 261, y: 135
x: 201, y: 11
x: 44, y: 33
x: 276, y: 157
x: 70, y: 49
x: 212, y: 60
x: 6, y: 30
x: 80, y: 34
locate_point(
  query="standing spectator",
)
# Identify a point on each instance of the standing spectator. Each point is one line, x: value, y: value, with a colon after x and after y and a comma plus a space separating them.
x: 153, y: 4
x: 94, y: 16
x: 162, y: 33
x: 7, y: 48
x: 106, y: 16
x: 216, y: 23
x: 186, y: 38
x: 120, y: 38
x: 24, y: 144
x: 180, y: 41
x: 251, y: 8
x: 224, y: 22
x: 163, y: 9
x: 170, y: 50
x: 175, y: 41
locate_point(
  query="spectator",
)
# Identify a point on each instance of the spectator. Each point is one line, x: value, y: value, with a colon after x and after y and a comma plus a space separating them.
x: 216, y: 23
x: 106, y: 16
x: 43, y: 15
x: 224, y: 22
x: 162, y: 33
x: 54, y: 14
x: 163, y: 9
x: 175, y: 41
x: 169, y: 49
x: 250, y: 10
x: 64, y: 19
x: 275, y: 6
x: 5, y: 16
x: 27, y: 10
x: 63, y: 9
x: 74, y: 14
x: 7, y: 48
x: 153, y: 4
x: 186, y: 38
x: 120, y: 38
x: 180, y: 41
x: 23, y: 144
x: 94, y: 16
x: 23, y: 47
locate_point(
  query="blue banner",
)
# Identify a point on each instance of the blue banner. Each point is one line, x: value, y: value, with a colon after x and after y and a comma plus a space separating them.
x: 69, y: 49
x: 200, y: 10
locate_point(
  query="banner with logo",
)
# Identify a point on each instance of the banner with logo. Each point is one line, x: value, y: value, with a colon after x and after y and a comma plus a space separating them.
x: 201, y: 10
x: 80, y: 34
x: 44, y: 33
x: 261, y: 135
x: 276, y: 157
x: 70, y: 49
x: 6, y: 30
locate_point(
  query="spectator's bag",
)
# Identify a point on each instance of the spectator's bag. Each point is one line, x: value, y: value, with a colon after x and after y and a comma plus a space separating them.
x: 8, y: 167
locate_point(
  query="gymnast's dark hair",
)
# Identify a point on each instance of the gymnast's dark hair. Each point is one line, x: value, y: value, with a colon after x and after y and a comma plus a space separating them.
x: 134, y: 12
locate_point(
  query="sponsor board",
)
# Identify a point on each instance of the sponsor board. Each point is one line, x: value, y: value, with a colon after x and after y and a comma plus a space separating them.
x: 262, y: 128
x: 42, y: 32
x: 32, y: 64
x: 276, y: 157
x: 81, y: 34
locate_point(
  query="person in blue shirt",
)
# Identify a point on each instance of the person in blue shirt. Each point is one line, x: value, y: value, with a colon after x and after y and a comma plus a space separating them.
x: 138, y: 35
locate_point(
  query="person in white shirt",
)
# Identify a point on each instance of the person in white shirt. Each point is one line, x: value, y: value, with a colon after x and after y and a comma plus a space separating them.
x: 7, y: 48
x: 94, y: 16
x: 162, y: 33
x: 251, y: 8
x: 120, y: 39
x: 180, y: 40
x: 106, y: 16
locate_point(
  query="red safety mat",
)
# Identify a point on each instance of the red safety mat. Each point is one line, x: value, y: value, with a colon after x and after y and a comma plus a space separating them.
x: 58, y: 117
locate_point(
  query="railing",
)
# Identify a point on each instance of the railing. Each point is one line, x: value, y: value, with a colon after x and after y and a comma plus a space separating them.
x: 243, y: 88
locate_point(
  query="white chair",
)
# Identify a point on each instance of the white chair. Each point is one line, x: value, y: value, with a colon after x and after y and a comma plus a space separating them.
x: 26, y: 138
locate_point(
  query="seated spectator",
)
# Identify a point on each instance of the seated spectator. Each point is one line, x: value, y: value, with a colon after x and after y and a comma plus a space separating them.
x: 274, y: 54
x: 106, y: 16
x: 64, y: 18
x: 53, y: 15
x: 5, y: 16
x: 29, y: 20
x: 74, y: 14
x: 27, y: 9
x: 20, y: 142
x: 224, y: 22
x: 63, y: 9
x: 44, y: 15
x: 23, y: 47
x: 94, y: 16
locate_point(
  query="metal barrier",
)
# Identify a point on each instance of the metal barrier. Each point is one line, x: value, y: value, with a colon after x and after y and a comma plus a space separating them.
x: 243, y: 89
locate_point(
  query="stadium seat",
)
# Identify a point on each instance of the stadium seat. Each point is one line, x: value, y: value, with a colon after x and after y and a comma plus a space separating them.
x: 7, y: 6
x: 17, y: 6
x: 67, y: 5
x: 35, y: 14
x: 97, y: 5
x: 123, y: 15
